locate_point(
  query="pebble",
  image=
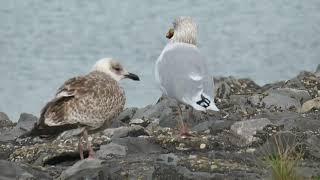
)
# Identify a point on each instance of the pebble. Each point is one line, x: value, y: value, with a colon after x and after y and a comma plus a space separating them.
x: 203, y: 146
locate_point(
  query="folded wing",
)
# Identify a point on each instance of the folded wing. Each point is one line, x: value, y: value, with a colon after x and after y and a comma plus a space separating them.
x: 181, y: 72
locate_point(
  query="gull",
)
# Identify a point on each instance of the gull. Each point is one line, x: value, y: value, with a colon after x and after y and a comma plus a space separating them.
x: 181, y: 71
x: 90, y: 102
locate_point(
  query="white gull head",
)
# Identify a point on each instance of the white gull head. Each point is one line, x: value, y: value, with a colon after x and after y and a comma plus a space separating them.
x: 114, y: 69
x: 184, y: 30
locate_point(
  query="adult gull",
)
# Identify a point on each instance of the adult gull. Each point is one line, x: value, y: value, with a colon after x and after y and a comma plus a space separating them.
x: 181, y: 71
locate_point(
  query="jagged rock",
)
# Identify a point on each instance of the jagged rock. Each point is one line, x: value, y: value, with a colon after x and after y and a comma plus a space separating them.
x: 25, y: 124
x: 134, y: 131
x: 247, y: 129
x: 215, y: 126
x: 111, y: 149
x: 313, y: 146
x: 305, y: 81
x: 5, y: 121
x: 226, y: 86
x: 26, y: 121
x: 300, y: 95
x: 127, y: 114
x: 311, y: 104
x: 11, y: 171
x: 166, y: 112
x: 317, y: 73
x: 139, y: 145
x: 141, y: 122
x: 170, y: 166
x: 84, y: 169
x: 279, y: 101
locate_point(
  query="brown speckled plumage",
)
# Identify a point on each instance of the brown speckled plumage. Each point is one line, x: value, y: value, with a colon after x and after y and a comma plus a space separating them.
x: 93, y: 100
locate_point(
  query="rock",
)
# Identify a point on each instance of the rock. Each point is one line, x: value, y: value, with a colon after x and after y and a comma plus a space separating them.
x: 226, y: 86
x: 26, y: 121
x: 141, y: 122
x: 139, y: 145
x: 111, y: 149
x: 170, y: 166
x: 11, y: 171
x: 279, y: 101
x: 247, y: 129
x: 300, y: 95
x: 313, y: 146
x: 166, y: 112
x: 84, y: 169
x: 5, y: 121
x: 215, y: 126
x: 127, y: 114
x: 280, y: 142
x: 162, y: 111
x: 25, y: 124
x: 134, y: 131
x: 311, y: 104
x: 317, y: 73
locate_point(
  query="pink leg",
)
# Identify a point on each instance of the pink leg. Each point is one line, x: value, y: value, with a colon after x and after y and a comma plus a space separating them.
x: 184, y: 130
x: 91, y: 151
x: 80, y: 147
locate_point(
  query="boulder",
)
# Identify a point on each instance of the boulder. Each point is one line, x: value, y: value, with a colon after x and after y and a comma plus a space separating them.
x: 5, y: 121
x: 247, y: 129
x: 311, y: 104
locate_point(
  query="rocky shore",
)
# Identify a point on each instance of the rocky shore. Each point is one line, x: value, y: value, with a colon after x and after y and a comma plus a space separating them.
x: 254, y: 123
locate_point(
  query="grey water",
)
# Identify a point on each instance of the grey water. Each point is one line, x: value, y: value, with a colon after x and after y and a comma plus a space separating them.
x: 43, y: 43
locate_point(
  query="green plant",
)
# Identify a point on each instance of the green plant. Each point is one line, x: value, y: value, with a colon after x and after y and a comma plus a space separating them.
x: 283, y: 160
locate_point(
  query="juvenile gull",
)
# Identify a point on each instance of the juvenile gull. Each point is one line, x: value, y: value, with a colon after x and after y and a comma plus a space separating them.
x: 89, y: 102
x: 181, y: 70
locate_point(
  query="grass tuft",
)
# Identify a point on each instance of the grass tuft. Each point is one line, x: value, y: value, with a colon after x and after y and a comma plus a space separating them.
x: 283, y: 160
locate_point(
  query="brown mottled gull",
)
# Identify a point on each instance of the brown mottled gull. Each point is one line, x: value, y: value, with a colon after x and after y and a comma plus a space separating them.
x: 90, y: 102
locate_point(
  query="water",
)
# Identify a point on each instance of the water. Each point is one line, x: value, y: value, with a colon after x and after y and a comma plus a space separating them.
x: 43, y: 43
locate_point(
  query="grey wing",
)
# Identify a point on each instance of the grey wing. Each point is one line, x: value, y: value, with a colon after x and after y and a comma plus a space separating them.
x: 183, y: 75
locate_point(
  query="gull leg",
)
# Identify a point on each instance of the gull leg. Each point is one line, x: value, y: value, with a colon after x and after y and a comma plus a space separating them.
x: 184, y: 130
x: 91, y: 151
x: 80, y: 147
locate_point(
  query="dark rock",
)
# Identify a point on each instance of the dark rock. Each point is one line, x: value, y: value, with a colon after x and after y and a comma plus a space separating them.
x: 162, y: 110
x: 141, y: 122
x: 281, y: 142
x: 111, y: 149
x: 279, y: 101
x: 215, y: 126
x: 26, y: 121
x: 313, y: 146
x: 139, y: 145
x: 25, y: 124
x: 317, y: 72
x: 300, y: 95
x: 84, y: 169
x: 127, y: 114
x: 10, y: 170
x: 134, y: 131
x: 248, y: 128
x: 168, y: 166
x: 166, y: 111
x: 5, y: 121
x: 226, y: 86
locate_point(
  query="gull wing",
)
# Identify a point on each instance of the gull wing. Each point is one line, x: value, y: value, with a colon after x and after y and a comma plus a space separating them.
x: 181, y: 73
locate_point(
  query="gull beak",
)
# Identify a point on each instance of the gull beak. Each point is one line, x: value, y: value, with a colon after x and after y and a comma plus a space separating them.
x: 170, y: 33
x: 132, y: 76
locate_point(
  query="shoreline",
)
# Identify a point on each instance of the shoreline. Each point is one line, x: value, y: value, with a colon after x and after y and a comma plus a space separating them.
x: 144, y: 142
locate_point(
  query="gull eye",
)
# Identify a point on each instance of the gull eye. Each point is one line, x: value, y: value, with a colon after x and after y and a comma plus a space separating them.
x: 117, y: 68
